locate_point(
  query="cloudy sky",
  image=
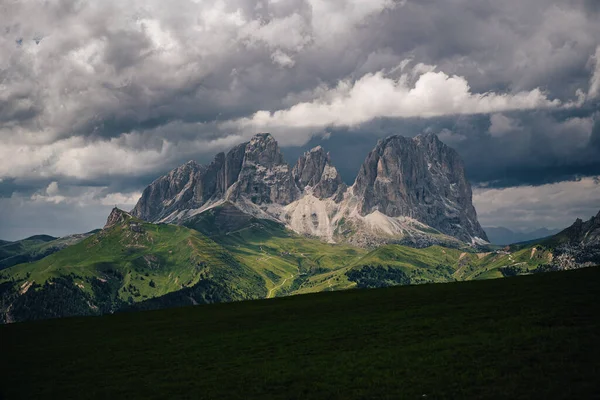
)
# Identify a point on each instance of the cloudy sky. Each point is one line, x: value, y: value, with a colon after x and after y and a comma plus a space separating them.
x: 98, y: 98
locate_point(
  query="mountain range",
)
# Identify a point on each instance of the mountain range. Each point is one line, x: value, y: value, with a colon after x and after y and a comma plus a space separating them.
x: 411, y: 191
x: 504, y: 236
x: 249, y: 226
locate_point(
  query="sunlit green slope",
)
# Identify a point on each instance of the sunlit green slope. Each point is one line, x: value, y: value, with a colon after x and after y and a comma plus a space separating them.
x: 128, y: 263
x: 220, y: 256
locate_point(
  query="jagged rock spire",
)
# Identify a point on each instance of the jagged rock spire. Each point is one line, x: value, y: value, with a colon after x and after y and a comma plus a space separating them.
x: 264, y: 177
x: 314, y: 170
x: 116, y: 216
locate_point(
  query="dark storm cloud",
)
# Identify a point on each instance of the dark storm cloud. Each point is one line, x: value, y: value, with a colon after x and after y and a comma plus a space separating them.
x: 23, y: 219
x: 106, y: 96
x: 534, y: 148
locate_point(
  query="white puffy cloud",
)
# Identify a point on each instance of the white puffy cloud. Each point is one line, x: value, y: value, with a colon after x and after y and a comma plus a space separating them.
x: 282, y: 59
x: 451, y: 138
x: 111, y: 91
x: 594, y: 90
x: 332, y: 18
x: 52, y: 189
x: 288, y: 33
x: 77, y: 158
x: 77, y: 79
x: 375, y: 95
x: 98, y: 70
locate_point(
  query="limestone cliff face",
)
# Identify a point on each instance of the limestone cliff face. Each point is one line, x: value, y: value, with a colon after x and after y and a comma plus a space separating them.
x: 264, y: 177
x: 168, y: 192
x: 403, y: 187
x: 254, y: 171
x: 420, y: 178
x: 315, y: 171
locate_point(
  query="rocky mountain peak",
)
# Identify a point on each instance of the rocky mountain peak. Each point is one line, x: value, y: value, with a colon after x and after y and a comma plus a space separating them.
x: 263, y: 136
x: 116, y: 217
x: 427, y: 137
x: 164, y: 192
x: 421, y: 178
x: 314, y: 170
x: 264, y: 176
x: 191, y: 164
x: 578, y: 245
x: 263, y: 150
x: 584, y: 232
x: 404, y: 183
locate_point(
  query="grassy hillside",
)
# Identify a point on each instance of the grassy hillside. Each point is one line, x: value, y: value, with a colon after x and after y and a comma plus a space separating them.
x: 34, y: 248
x: 518, y: 338
x: 291, y: 264
x: 288, y: 262
x: 128, y: 263
x: 400, y: 265
x: 225, y: 257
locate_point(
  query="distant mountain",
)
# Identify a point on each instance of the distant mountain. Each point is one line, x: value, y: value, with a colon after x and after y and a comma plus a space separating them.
x: 581, y: 233
x: 410, y: 191
x: 134, y: 265
x: 35, y: 248
x: 250, y: 226
x: 576, y: 246
x: 505, y: 236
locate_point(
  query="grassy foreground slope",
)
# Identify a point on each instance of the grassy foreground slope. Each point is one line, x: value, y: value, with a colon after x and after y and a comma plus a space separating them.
x: 517, y: 338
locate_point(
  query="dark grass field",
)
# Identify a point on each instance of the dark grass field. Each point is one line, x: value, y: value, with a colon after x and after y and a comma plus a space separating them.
x: 532, y: 337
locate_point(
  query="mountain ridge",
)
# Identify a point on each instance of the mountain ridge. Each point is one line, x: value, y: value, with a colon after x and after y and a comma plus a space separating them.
x: 500, y: 235
x: 408, y: 190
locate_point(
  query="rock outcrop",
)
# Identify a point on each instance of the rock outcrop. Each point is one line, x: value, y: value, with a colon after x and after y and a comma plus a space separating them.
x: 576, y: 246
x: 116, y: 217
x: 583, y: 233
